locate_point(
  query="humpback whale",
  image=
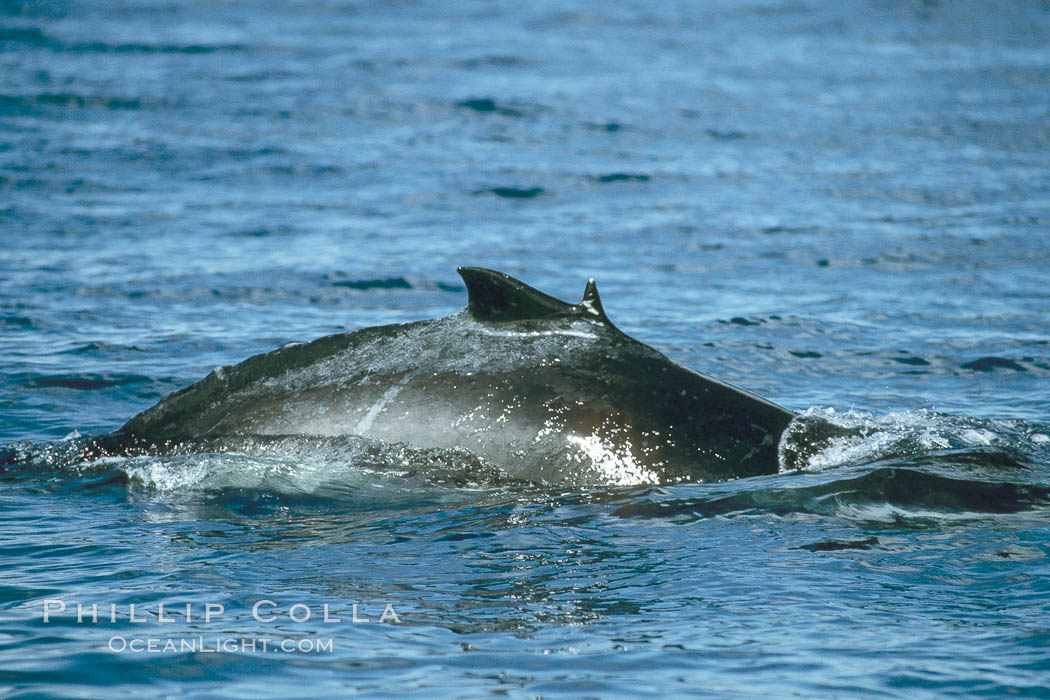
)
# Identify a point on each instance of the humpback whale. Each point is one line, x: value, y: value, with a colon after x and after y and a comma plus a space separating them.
x: 542, y: 389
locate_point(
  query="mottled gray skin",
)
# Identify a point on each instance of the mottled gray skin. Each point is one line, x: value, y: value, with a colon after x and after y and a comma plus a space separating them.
x: 543, y: 389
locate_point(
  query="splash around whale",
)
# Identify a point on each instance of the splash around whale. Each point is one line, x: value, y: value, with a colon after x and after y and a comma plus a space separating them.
x: 536, y: 387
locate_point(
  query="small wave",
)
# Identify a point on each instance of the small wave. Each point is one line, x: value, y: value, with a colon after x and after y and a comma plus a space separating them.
x: 621, y: 177
x: 340, y: 279
x: 457, y: 288
x: 250, y: 476
x: 910, y: 468
x: 27, y: 35
x: 382, y: 283
x: 900, y: 494
x: 514, y: 192
x: 98, y: 347
x: 19, y: 322
x: 989, y: 364
x: 288, y: 466
x: 190, y: 49
x: 914, y: 360
x: 34, y: 36
x: 726, y: 135
x: 607, y: 126
x: 487, y: 105
x: 822, y: 439
x: 839, y: 545
x: 11, y: 103
x: 84, y: 381
x: 493, y: 61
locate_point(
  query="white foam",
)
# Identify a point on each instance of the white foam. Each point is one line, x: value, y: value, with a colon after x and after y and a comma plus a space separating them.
x: 979, y: 437
x: 616, y: 465
x: 893, y: 435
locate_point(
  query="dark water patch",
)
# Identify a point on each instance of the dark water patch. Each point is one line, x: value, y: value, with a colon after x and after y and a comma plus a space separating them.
x: 9, y: 456
x: 840, y: 545
x: 514, y: 192
x: 84, y: 381
x: 990, y: 459
x: 313, y: 171
x: 17, y: 184
x: 487, y: 105
x: 101, y: 348
x: 460, y: 536
x: 255, y: 502
x: 136, y: 48
x: 25, y: 35
x: 607, y: 126
x: 270, y: 74
x: 990, y: 364
x: 771, y: 230
x: 251, y: 153
x: 457, y: 288
x: 383, y: 283
x: 104, y: 479
x: 894, y: 493
x: 805, y: 354
x: 175, y: 292
x: 35, y: 37
x: 741, y: 321
x: 30, y: 103
x: 621, y: 177
x: 911, y: 361
x: 913, y: 490
x: 44, y: 469
x: 495, y: 61
x: 726, y: 134
x: 18, y: 322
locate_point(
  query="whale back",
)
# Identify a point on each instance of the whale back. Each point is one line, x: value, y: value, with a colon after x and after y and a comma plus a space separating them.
x: 540, y: 388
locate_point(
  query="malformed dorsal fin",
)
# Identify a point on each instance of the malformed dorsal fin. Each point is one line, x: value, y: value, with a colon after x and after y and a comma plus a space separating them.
x: 494, y: 296
x: 592, y: 303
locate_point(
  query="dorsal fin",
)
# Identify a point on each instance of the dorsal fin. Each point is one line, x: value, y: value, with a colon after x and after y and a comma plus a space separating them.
x: 494, y: 296
x: 592, y: 303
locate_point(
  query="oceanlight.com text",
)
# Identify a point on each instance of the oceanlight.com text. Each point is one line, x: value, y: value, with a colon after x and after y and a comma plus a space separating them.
x: 219, y: 645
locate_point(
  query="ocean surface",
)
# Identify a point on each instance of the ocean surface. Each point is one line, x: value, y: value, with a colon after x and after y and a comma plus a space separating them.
x: 843, y: 207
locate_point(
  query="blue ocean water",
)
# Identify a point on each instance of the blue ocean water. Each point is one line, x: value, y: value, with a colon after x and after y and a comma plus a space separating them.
x: 842, y: 207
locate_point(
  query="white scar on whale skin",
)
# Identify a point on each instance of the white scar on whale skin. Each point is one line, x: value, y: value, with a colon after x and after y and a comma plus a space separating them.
x: 365, y: 423
x: 532, y: 334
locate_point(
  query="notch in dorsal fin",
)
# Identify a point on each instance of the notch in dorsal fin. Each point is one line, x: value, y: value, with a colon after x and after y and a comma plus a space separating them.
x: 592, y: 303
x: 494, y: 296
